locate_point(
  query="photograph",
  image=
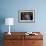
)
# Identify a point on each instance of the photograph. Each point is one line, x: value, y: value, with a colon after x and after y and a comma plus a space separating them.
x: 26, y: 15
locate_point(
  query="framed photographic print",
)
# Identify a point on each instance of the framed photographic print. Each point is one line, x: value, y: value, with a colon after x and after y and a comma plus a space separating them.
x: 26, y: 16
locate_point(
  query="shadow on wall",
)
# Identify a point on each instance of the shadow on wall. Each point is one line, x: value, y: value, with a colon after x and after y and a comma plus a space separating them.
x: 2, y: 21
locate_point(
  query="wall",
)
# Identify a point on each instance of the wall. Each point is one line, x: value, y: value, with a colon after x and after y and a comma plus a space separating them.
x: 10, y: 8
